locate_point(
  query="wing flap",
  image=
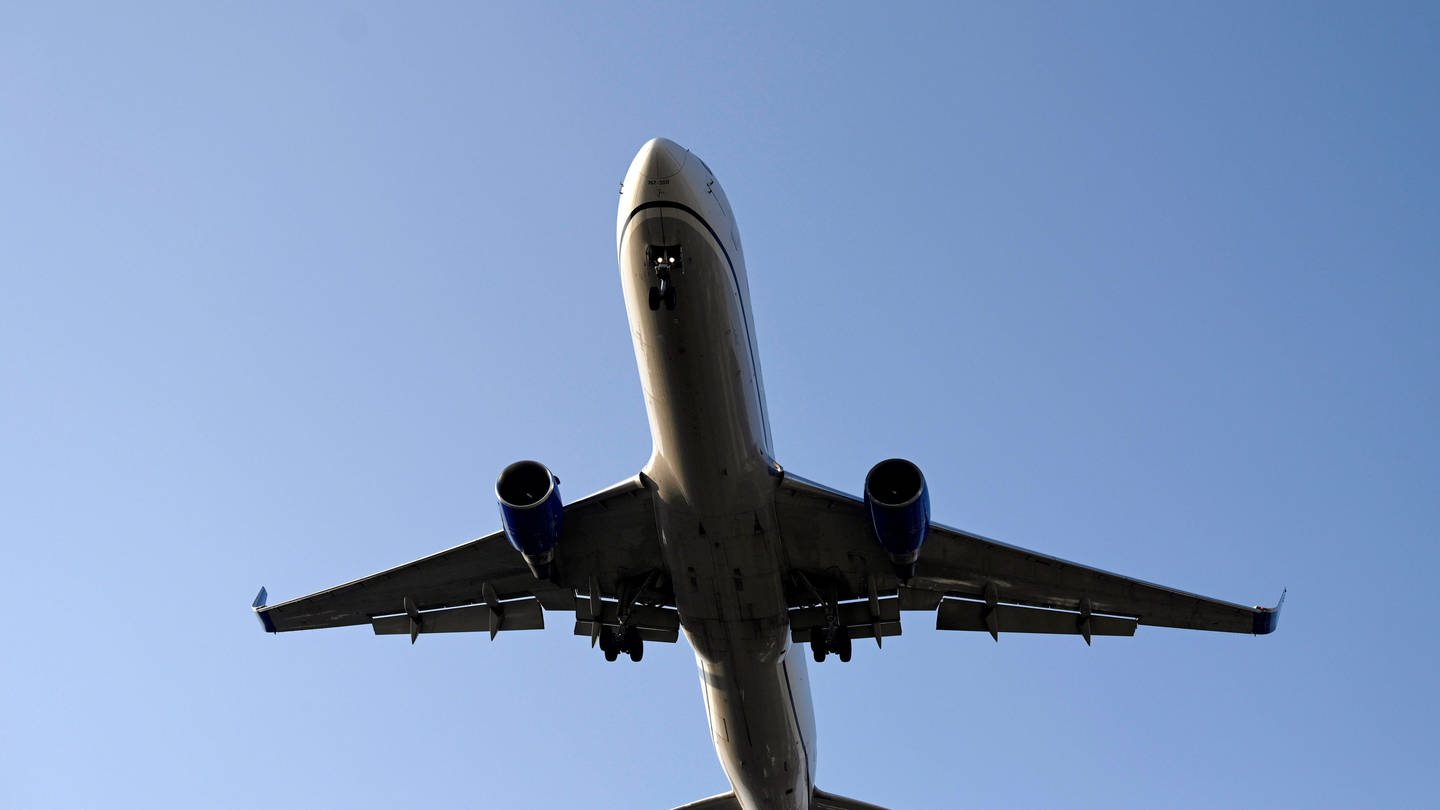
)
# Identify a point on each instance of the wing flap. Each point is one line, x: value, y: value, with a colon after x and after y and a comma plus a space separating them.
x: 657, y: 618
x: 847, y: 614
x: 517, y: 614
x: 659, y: 635
x: 961, y: 614
x: 880, y: 630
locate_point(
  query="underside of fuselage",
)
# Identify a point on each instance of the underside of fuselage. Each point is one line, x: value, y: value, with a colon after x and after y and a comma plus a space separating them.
x: 714, y: 479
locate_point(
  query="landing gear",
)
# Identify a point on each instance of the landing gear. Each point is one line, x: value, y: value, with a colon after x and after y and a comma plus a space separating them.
x: 608, y: 644
x: 834, y: 640
x: 634, y: 644
x: 623, y: 636
x: 664, y: 261
x: 831, y: 636
x: 628, y: 641
x: 663, y: 294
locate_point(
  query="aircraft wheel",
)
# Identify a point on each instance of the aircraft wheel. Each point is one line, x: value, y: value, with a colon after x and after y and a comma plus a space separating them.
x: 609, y: 644
x: 654, y: 298
x: 843, y: 648
x: 634, y: 644
x: 818, y: 647
x: 669, y: 297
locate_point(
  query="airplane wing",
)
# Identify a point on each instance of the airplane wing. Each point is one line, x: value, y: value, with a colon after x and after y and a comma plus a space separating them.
x: 973, y: 582
x: 609, y: 547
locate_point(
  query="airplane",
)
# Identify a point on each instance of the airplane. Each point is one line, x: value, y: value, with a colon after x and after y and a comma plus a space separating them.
x: 714, y: 537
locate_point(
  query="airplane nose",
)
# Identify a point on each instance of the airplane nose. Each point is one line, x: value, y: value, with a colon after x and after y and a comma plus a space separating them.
x: 660, y: 158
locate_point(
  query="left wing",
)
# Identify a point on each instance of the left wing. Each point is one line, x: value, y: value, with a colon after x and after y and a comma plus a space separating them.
x: 977, y: 583
x: 608, y: 546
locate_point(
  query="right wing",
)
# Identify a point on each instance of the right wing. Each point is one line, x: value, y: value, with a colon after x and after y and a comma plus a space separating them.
x: 608, y: 546
x: 982, y: 584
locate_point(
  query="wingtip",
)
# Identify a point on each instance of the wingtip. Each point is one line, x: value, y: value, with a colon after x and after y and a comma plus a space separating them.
x: 259, y: 607
x: 1267, y: 619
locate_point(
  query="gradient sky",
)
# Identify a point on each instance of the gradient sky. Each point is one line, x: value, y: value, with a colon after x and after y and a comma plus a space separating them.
x: 284, y: 286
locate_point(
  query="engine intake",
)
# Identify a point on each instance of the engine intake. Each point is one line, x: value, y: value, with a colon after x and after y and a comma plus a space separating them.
x: 899, y: 506
x: 531, y: 511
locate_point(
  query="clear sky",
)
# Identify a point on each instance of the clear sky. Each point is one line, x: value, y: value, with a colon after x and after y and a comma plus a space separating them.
x: 284, y: 286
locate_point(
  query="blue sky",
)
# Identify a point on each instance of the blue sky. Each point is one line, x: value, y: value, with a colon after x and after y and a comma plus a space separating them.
x: 283, y: 288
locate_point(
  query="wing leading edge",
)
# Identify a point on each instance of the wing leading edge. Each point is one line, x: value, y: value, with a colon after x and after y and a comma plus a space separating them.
x: 977, y: 583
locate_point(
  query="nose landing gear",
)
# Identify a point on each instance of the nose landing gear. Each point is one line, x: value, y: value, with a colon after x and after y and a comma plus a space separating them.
x: 664, y: 261
x: 664, y: 293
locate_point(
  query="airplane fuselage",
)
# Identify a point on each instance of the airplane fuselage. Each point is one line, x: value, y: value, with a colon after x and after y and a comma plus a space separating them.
x: 687, y: 298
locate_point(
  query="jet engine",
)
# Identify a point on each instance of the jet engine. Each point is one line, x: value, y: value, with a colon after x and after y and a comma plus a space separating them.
x: 530, y: 511
x: 899, y: 506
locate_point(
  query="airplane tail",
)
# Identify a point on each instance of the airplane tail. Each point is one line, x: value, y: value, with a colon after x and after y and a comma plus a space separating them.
x: 820, y: 801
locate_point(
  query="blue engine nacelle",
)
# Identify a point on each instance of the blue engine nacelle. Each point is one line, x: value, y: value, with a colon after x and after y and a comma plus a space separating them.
x: 530, y: 511
x: 899, y: 506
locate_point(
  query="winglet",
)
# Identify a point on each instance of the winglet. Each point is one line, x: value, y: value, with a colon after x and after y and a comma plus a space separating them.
x: 1267, y: 619
x: 259, y: 607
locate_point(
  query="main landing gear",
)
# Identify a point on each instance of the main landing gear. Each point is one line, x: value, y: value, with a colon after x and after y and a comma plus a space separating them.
x: 831, y: 636
x: 615, y: 640
x: 833, y: 640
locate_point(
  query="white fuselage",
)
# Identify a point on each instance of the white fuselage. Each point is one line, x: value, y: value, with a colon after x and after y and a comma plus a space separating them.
x: 713, y: 471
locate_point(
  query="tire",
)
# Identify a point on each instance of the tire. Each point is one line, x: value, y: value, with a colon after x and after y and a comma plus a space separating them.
x: 843, y: 648
x: 654, y: 298
x: 817, y: 644
x: 608, y: 644
x: 670, y: 298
